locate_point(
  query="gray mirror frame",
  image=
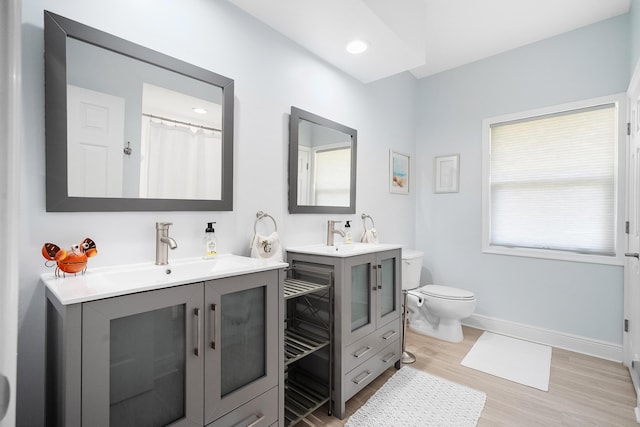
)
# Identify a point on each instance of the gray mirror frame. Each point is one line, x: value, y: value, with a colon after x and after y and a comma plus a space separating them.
x: 298, y: 114
x: 56, y: 30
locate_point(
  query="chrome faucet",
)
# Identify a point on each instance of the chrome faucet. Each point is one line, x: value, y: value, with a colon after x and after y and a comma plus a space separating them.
x: 163, y: 243
x: 331, y: 231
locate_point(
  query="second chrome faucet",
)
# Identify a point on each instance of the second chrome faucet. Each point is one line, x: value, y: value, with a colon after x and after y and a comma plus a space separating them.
x: 163, y: 243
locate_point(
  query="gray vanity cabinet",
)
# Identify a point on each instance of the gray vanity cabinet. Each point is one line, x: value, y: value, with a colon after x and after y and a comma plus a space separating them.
x: 242, y: 350
x: 139, y: 361
x: 190, y: 355
x: 367, y: 317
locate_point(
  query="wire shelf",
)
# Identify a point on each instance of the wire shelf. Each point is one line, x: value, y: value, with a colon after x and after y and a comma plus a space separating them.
x: 294, y: 288
x: 298, y: 344
x: 302, y: 396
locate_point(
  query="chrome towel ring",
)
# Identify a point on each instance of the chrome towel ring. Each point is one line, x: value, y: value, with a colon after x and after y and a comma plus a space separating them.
x: 364, y: 221
x: 261, y: 215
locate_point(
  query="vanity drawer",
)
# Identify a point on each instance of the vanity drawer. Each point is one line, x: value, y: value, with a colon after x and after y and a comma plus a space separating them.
x: 365, y: 348
x: 259, y: 412
x: 358, y: 378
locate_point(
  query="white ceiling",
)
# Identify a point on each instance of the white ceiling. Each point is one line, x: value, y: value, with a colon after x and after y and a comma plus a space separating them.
x: 424, y: 37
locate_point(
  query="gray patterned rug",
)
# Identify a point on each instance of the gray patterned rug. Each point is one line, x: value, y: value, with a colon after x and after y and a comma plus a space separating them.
x: 413, y: 398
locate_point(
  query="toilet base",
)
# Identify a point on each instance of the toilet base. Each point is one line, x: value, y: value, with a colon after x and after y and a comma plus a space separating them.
x: 447, y: 329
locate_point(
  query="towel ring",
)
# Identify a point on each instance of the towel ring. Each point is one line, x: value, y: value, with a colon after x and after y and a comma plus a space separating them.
x: 260, y: 215
x: 364, y: 221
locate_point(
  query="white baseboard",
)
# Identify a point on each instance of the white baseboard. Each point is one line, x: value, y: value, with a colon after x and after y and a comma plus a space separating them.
x: 579, y: 344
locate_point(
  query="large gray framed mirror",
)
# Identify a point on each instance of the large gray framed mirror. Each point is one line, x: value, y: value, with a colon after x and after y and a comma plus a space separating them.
x: 322, y: 165
x: 132, y: 129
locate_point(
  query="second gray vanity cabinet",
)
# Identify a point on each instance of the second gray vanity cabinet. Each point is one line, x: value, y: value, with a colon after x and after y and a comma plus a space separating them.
x: 199, y: 354
x: 367, y: 317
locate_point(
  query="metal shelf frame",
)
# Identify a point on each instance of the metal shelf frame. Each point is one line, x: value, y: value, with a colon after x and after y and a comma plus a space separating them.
x: 309, y: 328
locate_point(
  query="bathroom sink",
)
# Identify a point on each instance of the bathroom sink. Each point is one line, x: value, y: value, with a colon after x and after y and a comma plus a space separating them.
x: 138, y: 275
x: 343, y: 249
x: 189, y: 270
x: 105, y: 282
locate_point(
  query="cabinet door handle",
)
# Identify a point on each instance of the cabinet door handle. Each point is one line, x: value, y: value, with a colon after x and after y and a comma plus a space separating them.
x: 363, y: 376
x: 253, y: 424
x: 196, y: 312
x: 212, y: 331
x: 374, y: 274
x: 362, y: 351
x: 388, y: 335
x: 379, y: 276
x: 388, y: 357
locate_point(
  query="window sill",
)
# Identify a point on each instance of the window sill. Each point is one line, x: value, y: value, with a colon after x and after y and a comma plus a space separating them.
x: 554, y: 255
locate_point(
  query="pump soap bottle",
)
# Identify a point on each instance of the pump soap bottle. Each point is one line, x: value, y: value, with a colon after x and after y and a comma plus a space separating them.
x: 348, y: 237
x: 210, y: 242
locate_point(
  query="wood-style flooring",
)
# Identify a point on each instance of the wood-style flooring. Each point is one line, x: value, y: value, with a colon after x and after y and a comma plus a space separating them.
x: 583, y: 390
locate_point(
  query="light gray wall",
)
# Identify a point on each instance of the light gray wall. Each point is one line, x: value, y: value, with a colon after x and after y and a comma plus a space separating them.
x: 634, y: 25
x: 271, y: 74
x: 572, y: 298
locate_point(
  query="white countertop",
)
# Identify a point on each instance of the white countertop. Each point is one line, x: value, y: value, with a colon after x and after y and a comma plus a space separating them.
x: 343, y: 250
x: 104, y: 282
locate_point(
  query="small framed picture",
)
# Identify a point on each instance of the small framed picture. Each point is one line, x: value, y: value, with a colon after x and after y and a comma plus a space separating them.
x: 447, y: 174
x: 398, y: 172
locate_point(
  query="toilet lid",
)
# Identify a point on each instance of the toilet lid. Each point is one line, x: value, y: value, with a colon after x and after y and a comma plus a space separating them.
x: 446, y: 292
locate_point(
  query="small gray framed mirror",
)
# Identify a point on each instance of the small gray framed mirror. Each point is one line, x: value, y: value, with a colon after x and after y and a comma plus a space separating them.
x: 132, y: 129
x: 322, y: 165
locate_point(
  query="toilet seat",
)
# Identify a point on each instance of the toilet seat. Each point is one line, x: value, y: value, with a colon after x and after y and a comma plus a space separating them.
x: 446, y: 292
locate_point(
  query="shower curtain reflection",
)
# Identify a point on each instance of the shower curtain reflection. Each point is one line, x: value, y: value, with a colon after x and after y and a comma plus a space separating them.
x: 180, y: 162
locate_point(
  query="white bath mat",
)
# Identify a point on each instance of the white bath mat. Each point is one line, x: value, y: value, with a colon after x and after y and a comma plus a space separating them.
x: 516, y: 360
x: 412, y: 398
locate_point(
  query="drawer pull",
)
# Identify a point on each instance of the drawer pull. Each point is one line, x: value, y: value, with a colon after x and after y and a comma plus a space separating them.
x: 362, y: 352
x: 388, y: 335
x: 363, y: 376
x: 388, y: 357
x: 253, y: 424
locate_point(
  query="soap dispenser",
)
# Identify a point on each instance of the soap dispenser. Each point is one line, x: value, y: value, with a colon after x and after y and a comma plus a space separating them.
x: 210, y: 242
x: 348, y: 237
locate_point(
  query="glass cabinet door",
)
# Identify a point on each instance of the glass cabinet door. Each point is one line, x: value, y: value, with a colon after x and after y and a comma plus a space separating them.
x: 243, y: 327
x: 141, y: 360
x: 242, y: 340
x: 359, y: 297
x: 372, y: 295
x: 387, y: 294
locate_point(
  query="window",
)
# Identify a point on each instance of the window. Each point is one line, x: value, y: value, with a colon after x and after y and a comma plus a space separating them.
x: 332, y: 176
x: 550, y: 182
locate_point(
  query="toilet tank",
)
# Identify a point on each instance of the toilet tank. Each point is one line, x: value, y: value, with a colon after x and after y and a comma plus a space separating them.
x: 411, y: 268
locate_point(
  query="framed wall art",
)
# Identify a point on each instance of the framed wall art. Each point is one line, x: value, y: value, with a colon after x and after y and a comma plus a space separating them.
x: 447, y: 174
x: 399, y: 172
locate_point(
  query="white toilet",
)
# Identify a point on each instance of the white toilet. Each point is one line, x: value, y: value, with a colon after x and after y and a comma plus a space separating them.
x: 433, y: 310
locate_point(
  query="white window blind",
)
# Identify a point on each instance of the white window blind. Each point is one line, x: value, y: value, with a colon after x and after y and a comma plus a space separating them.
x: 332, y: 177
x: 553, y: 181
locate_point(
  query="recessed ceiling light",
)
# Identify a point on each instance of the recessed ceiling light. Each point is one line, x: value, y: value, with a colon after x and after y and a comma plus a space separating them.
x: 199, y: 110
x: 357, y: 46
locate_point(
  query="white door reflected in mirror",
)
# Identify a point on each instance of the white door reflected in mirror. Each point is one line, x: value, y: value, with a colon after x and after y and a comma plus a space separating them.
x: 95, y: 122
